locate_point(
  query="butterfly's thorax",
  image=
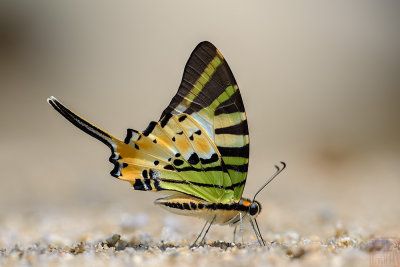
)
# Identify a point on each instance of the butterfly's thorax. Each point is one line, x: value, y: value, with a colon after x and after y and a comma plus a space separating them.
x: 190, y: 206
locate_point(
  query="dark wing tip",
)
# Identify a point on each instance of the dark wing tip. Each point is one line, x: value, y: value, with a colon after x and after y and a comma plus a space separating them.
x: 205, y: 44
x: 204, y: 48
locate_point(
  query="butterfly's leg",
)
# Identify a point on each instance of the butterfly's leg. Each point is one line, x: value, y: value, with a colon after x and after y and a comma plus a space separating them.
x: 259, y: 238
x: 259, y: 232
x: 241, y: 226
x: 234, y: 234
x: 232, y: 222
x: 204, y: 236
x: 194, y: 243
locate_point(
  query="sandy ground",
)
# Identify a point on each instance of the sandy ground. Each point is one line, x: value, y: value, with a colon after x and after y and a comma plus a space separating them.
x: 115, y: 238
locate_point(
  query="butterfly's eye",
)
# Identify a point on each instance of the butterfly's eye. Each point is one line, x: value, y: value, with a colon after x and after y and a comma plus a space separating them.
x: 253, y: 209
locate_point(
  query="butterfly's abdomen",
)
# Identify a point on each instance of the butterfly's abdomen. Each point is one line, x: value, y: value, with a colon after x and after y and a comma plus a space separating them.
x: 191, y: 206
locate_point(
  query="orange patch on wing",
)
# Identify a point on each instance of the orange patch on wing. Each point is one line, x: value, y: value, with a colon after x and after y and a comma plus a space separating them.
x: 203, y: 146
x: 183, y: 145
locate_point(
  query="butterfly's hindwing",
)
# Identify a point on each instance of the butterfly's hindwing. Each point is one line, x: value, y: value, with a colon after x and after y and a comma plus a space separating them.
x: 182, y: 159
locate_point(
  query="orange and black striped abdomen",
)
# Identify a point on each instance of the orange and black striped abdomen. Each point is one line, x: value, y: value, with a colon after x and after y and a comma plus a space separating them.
x: 190, y: 206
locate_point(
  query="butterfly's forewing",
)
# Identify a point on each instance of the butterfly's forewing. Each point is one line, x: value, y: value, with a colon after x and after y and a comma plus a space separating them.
x: 209, y: 93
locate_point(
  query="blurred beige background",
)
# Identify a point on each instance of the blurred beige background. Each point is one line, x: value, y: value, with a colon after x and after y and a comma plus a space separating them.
x: 320, y: 81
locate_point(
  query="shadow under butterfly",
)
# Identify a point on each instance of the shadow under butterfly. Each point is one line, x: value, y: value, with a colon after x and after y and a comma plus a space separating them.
x: 198, y: 150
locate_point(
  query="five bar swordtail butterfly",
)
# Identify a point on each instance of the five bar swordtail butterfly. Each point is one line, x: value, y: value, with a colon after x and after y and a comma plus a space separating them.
x: 198, y: 150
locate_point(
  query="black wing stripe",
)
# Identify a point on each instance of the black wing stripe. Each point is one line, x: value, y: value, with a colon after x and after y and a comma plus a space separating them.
x: 213, y: 89
x: 237, y: 129
x: 234, y: 151
x: 238, y: 168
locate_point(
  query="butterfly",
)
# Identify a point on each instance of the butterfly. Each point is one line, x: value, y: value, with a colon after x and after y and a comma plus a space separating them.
x: 198, y: 151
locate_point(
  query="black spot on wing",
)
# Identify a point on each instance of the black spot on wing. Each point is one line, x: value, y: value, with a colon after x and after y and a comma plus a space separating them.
x: 182, y: 118
x: 193, y: 159
x: 169, y: 167
x: 178, y: 162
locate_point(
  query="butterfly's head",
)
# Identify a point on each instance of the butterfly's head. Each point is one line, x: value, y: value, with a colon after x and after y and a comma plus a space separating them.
x: 254, y: 208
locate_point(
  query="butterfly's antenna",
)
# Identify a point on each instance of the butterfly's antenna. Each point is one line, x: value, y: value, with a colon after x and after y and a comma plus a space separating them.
x: 278, y: 171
